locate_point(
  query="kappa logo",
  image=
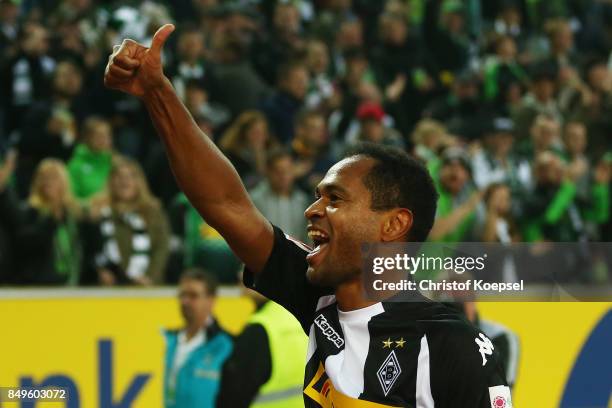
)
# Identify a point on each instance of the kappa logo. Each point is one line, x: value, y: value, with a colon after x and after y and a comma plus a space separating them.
x: 329, y: 331
x: 389, y: 372
x: 485, y: 347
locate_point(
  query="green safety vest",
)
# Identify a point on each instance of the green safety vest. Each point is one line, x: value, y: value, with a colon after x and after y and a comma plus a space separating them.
x: 288, y: 345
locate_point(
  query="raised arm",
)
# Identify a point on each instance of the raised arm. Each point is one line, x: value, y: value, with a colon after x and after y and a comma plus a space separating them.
x: 204, y: 174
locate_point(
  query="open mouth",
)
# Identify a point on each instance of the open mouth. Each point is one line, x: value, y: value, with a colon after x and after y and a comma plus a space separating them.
x: 320, y: 241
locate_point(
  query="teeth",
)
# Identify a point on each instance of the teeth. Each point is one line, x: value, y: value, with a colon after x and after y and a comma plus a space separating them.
x: 316, y: 235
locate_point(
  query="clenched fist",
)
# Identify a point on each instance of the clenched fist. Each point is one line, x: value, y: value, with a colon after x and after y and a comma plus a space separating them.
x: 136, y: 69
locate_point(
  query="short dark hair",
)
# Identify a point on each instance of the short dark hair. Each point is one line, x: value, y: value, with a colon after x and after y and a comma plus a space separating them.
x: 210, y: 282
x: 398, y: 180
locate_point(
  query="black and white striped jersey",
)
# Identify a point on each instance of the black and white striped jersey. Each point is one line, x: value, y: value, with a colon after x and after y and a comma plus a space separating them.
x: 390, y: 354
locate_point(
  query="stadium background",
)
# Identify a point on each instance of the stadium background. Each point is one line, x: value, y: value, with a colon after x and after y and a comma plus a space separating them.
x: 447, y: 80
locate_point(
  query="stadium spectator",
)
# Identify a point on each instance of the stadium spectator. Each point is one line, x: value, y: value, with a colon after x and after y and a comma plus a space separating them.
x: 498, y: 224
x: 9, y: 26
x: 321, y: 93
x: 330, y: 16
x: 49, y: 228
x: 461, y: 110
x: 246, y: 143
x: 189, y: 63
x: 496, y: 161
x: 90, y: 164
x: 277, y: 197
x: 445, y: 33
x: 133, y: 232
x: 73, y: 35
x: 281, y: 44
x: 429, y: 138
x: 544, y: 136
x: 311, y: 149
x: 50, y: 126
x: 26, y: 74
x: 236, y: 84
x: 561, y: 40
x: 373, y: 129
x: 554, y: 212
x: 540, y: 100
x: 503, y: 70
x: 507, y: 21
x: 349, y: 36
x: 401, y: 68
x: 575, y: 144
x: 282, y: 107
x: 196, y: 352
x: 353, y: 89
x: 198, y: 103
x: 457, y: 202
x: 594, y: 110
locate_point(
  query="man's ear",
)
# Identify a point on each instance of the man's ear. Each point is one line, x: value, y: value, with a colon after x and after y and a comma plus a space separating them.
x: 397, y: 224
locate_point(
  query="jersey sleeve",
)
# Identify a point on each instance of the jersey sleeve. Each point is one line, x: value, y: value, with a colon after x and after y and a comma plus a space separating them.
x: 284, y: 280
x: 466, y: 372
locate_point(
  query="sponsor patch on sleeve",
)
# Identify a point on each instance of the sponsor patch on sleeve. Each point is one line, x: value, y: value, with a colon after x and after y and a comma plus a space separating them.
x: 500, y: 397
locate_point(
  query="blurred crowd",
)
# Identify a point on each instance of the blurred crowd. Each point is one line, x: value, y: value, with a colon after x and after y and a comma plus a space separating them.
x: 507, y: 102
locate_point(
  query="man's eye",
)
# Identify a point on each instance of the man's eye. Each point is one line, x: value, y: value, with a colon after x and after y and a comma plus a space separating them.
x: 333, y: 198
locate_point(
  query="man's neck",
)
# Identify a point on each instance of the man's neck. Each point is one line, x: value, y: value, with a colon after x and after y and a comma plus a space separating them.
x: 350, y: 296
x: 193, y: 329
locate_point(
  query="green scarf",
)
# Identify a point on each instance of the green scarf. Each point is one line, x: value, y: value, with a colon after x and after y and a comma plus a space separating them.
x: 67, y: 250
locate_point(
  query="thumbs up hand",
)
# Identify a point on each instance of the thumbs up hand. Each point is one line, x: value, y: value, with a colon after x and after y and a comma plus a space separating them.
x: 136, y: 69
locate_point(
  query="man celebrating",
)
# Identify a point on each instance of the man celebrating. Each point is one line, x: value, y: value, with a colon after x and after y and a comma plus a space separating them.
x: 361, y: 353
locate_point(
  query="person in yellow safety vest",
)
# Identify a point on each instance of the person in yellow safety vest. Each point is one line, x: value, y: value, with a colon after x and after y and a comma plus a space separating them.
x: 266, y: 367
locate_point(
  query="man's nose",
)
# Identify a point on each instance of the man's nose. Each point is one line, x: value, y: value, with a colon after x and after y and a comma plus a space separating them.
x: 316, y: 209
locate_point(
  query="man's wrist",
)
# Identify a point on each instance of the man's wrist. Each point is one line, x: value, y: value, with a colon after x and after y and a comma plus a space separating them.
x: 157, y: 91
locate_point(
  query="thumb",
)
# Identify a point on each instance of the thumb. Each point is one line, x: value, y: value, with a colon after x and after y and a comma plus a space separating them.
x: 159, y: 38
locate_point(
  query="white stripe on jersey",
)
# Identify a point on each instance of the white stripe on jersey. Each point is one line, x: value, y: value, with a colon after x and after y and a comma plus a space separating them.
x: 345, y: 369
x: 424, y: 399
